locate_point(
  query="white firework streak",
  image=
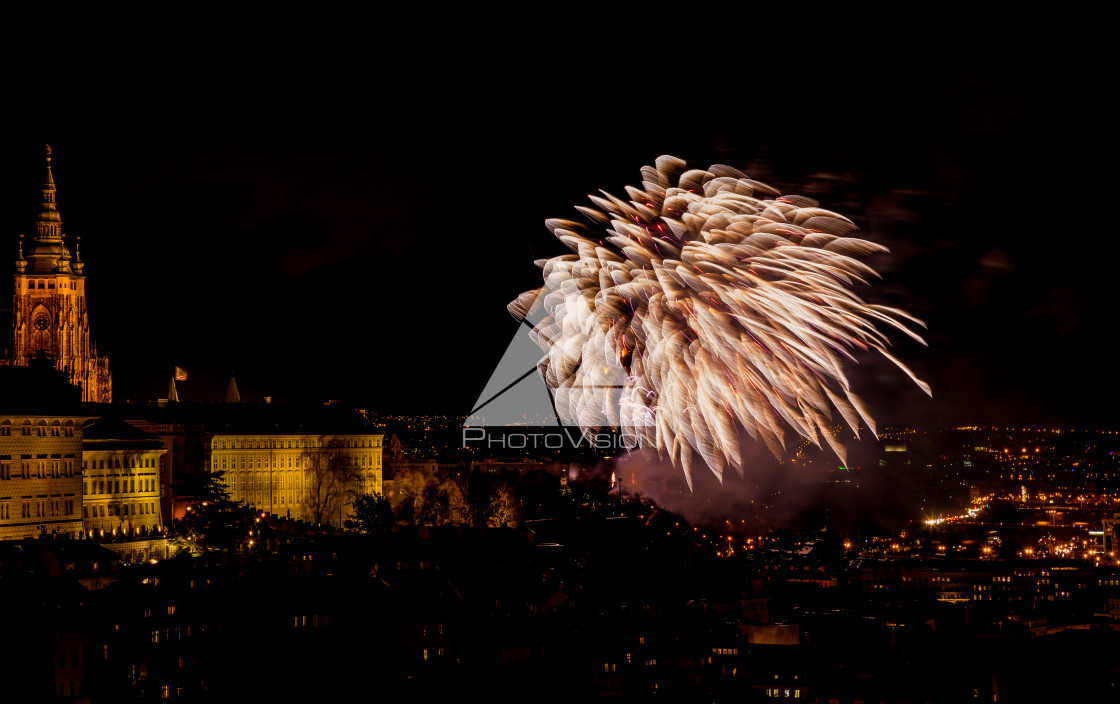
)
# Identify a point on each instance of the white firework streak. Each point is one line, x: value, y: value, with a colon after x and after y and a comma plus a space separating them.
x: 704, y: 309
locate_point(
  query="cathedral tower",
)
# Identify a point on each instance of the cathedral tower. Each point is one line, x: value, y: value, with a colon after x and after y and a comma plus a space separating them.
x: 49, y: 304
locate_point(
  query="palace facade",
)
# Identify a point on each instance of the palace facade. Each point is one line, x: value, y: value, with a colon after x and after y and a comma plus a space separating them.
x: 301, y: 461
x: 308, y: 476
x: 121, y: 481
x: 40, y: 453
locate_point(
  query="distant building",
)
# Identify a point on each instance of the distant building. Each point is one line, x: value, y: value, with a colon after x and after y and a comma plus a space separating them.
x: 284, y: 472
x: 49, y: 316
x: 40, y: 453
x: 895, y: 457
x: 121, y: 482
x: 304, y: 461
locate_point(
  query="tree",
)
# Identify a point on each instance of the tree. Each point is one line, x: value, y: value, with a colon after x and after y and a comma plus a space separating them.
x: 203, y: 487
x: 212, y: 519
x: 331, y: 478
x: 432, y: 508
x: 478, y: 492
x: 421, y: 497
x: 458, y: 509
x: 372, y: 514
x: 504, y: 509
x: 408, y: 496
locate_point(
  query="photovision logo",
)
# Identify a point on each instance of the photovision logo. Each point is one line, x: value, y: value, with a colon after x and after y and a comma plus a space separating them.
x: 518, y: 409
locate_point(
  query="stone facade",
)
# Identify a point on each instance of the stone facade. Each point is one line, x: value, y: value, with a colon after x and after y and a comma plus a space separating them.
x: 40, y: 475
x: 49, y: 314
x: 121, y: 481
x: 283, y: 473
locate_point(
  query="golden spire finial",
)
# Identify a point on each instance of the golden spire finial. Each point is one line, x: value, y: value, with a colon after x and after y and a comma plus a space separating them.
x: 77, y: 264
x: 21, y: 263
x: 48, y: 226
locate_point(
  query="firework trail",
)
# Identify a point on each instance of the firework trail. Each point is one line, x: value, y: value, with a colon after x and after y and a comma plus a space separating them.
x: 689, y: 312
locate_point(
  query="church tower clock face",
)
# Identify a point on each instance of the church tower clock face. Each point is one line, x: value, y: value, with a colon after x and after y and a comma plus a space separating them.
x: 42, y: 333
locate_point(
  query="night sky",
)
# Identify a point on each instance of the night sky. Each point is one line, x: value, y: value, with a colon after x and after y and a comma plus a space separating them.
x: 354, y: 230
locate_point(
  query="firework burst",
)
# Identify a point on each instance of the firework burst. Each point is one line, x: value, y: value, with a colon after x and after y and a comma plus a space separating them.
x: 692, y: 312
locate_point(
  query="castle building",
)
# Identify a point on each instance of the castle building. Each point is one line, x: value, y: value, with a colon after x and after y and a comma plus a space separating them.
x: 303, y: 462
x: 41, y: 423
x: 303, y: 475
x: 49, y: 315
x: 121, y: 480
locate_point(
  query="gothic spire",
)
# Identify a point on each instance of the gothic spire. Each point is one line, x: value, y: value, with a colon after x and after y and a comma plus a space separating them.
x: 48, y: 226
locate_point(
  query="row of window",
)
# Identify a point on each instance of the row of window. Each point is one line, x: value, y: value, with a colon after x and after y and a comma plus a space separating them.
x: 299, y: 443
x: 249, y: 482
x: 41, y: 430
x: 303, y: 461
x: 115, y: 486
x: 40, y: 508
x: 314, y: 621
x: 115, y: 463
x: 39, y: 284
x: 37, y: 469
x: 260, y: 498
x: 132, y: 509
x: 277, y: 462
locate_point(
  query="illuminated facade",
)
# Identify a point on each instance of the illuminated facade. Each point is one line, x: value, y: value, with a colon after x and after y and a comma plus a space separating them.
x: 40, y: 454
x: 285, y: 473
x: 40, y: 482
x: 49, y: 315
x: 121, y: 481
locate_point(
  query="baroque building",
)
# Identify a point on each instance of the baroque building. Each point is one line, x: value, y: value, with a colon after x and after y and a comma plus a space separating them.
x: 303, y: 475
x: 49, y: 315
x: 41, y: 424
x: 120, y: 481
x: 297, y: 461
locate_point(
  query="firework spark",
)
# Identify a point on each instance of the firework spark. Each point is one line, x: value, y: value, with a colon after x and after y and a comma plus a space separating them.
x: 694, y: 311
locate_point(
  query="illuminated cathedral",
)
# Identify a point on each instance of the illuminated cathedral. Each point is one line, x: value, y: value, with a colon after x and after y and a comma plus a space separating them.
x: 48, y: 314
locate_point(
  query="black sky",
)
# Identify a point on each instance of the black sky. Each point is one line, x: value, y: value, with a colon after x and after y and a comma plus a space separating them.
x: 353, y: 229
